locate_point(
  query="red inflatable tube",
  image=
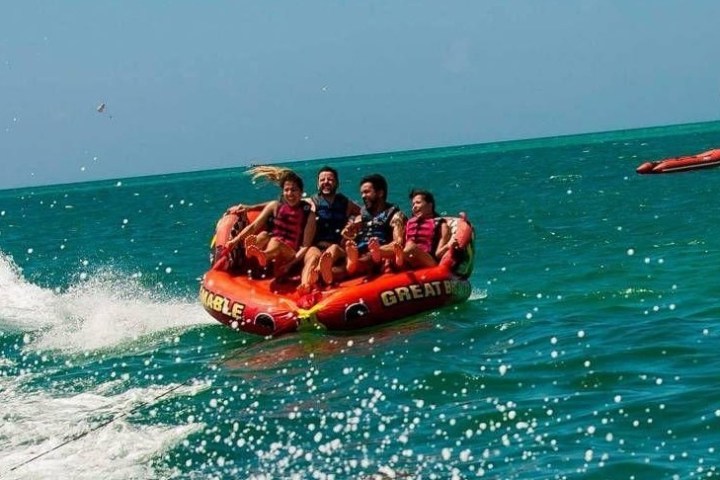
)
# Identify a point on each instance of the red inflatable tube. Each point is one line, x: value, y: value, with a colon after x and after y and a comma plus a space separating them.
x: 232, y: 292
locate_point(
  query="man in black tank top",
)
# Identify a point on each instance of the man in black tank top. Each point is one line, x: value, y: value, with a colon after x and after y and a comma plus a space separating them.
x: 377, y: 232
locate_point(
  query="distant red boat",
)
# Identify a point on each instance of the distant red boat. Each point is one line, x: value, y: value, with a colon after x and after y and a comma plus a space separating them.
x: 711, y: 158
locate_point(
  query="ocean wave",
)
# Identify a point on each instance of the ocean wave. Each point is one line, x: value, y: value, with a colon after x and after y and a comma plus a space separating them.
x: 100, y: 310
x: 85, y: 435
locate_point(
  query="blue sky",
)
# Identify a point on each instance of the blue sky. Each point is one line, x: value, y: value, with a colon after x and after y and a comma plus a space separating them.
x: 200, y: 85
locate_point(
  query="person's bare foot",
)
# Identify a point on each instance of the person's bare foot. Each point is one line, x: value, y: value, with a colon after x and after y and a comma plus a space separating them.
x: 399, y: 255
x: 250, y: 241
x: 374, y: 249
x: 312, y: 281
x: 253, y: 251
x: 325, y: 267
x: 352, y: 253
x: 303, y: 289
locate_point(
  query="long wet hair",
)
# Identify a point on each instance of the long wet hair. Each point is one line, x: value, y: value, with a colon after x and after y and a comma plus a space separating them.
x: 427, y: 196
x: 276, y: 175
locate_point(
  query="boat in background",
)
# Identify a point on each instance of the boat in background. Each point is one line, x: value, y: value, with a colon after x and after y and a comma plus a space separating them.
x: 711, y: 158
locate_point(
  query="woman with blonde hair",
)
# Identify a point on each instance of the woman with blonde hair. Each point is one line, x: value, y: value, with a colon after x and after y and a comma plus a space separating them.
x: 292, y: 224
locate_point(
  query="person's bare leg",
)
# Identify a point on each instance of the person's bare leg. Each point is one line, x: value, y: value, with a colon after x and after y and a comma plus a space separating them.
x: 374, y: 249
x: 252, y: 251
x: 309, y: 275
x: 378, y: 252
x: 351, y: 251
x: 325, y: 267
x: 399, y: 254
x: 337, y: 252
x: 280, y: 254
x: 262, y: 239
x: 418, y: 258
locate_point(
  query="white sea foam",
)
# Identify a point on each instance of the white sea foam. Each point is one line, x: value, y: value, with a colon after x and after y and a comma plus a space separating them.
x: 19, y: 299
x: 101, y: 310
x: 85, y: 435
x: 477, y: 294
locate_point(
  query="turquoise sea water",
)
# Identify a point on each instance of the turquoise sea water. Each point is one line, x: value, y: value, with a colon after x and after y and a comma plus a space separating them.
x: 588, y: 348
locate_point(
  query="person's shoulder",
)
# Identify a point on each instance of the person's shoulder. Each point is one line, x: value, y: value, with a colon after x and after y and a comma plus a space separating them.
x: 398, y: 215
x: 345, y: 197
x: 313, y: 202
x: 353, y: 208
x: 269, y: 209
x: 273, y: 205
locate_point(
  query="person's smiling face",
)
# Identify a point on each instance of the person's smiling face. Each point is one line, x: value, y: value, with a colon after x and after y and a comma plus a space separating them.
x: 291, y: 193
x: 420, y: 207
x: 327, y: 183
x: 369, y: 195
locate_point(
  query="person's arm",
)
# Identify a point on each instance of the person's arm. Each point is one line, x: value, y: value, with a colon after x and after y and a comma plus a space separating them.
x: 255, y: 226
x: 313, y: 205
x: 353, y: 209
x: 446, y: 241
x: 239, y: 208
x: 308, y: 236
x: 352, y: 228
x: 397, y: 223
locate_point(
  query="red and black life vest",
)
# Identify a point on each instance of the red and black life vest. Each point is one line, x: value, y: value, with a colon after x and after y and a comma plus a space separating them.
x: 424, y: 232
x: 288, y: 223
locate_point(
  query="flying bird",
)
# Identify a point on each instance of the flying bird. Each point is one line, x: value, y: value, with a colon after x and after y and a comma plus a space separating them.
x: 101, y: 109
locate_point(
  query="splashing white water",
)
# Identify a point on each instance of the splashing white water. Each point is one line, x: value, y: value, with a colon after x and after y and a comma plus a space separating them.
x: 18, y: 298
x: 102, y: 311
x: 48, y: 437
x: 477, y: 294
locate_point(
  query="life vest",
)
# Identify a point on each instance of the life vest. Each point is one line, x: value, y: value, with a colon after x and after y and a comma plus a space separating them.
x: 377, y: 226
x: 288, y: 224
x: 424, y: 232
x: 331, y: 218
